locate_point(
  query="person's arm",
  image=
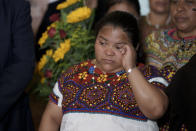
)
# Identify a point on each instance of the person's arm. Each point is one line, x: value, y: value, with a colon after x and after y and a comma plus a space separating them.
x: 51, y: 118
x: 152, y: 101
x: 15, y: 77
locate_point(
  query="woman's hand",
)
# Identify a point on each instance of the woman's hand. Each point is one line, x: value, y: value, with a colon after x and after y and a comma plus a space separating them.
x: 128, y: 57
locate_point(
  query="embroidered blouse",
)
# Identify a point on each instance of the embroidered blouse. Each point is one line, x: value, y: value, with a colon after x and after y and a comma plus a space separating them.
x: 163, y: 49
x: 84, y: 88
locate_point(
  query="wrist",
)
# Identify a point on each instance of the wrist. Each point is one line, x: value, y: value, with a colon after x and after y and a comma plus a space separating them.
x: 130, y: 70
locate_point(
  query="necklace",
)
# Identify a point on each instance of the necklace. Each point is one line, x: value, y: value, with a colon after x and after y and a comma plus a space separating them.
x: 92, y: 72
x: 157, y: 26
x: 186, y: 44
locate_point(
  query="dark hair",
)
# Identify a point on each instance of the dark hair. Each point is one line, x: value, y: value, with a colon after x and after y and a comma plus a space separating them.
x: 125, y: 21
x: 135, y: 4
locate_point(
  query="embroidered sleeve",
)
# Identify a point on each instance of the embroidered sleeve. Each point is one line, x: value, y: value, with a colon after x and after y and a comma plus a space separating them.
x: 56, y: 95
x: 168, y: 72
x: 154, y: 76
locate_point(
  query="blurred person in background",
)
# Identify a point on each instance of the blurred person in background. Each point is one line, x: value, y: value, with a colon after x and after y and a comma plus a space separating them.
x: 175, y: 46
x: 16, y: 65
x: 158, y: 19
x: 181, y: 93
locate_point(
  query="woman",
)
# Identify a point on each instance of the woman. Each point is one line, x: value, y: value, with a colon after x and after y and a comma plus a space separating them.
x: 106, y: 7
x: 175, y: 46
x: 158, y: 18
x: 109, y: 92
x: 130, y: 6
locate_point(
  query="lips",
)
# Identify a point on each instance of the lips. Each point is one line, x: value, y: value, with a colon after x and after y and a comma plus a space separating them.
x: 180, y: 19
x: 161, y: 3
x: 107, y: 61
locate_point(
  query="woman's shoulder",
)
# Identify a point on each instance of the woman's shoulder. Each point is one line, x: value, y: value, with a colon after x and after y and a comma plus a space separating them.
x: 159, y: 35
x: 75, y: 69
x: 159, y: 42
x: 152, y: 71
x: 159, y: 77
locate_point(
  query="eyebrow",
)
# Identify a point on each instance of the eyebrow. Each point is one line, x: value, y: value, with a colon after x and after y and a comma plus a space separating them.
x: 103, y: 38
x: 118, y: 43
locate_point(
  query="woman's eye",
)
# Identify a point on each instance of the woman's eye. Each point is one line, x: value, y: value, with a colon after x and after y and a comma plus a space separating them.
x: 118, y: 47
x: 190, y: 1
x: 101, y: 43
x: 174, y: 1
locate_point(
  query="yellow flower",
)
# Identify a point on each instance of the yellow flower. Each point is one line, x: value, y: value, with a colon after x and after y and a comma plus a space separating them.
x: 62, y: 50
x: 42, y: 62
x: 42, y: 40
x: 51, y: 25
x: 49, y: 52
x: 102, y: 78
x: 79, y: 14
x: 83, y: 75
x: 65, y: 4
x: 42, y: 79
x: 84, y: 64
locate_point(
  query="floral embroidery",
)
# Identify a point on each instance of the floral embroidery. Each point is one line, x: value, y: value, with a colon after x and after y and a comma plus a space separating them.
x: 83, y: 75
x: 84, y: 64
x: 171, y: 74
x: 122, y: 77
x: 163, y: 50
x: 109, y: 93
x: 102, y: 78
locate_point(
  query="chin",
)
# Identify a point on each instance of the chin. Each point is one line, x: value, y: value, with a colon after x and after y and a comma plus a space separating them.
x: 107, y: 69
x: 182, y: 29
x: 162, y: 11
x: 110, y: 69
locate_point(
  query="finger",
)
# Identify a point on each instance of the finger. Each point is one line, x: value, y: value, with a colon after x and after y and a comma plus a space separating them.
x: 131, y: 50
x: 128, y: 48
x: 123, y: 51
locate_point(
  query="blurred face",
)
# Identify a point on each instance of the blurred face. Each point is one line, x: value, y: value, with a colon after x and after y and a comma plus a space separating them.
x: 109, y: 44
x: 124, y: 6
x: 159, y: 6
x: 183, y: 16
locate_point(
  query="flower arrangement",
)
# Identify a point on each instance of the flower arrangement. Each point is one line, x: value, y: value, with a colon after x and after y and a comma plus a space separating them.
x: 67, y: 41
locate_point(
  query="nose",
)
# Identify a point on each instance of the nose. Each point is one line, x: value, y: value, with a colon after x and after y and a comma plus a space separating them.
x: 109, y: 51
x: 180, y: 6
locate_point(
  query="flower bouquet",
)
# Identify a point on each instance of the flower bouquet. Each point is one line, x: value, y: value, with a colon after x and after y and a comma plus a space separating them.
x: 67, y: 41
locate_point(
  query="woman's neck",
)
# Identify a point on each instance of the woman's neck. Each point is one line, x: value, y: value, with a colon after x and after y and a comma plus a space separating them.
x: 158, y: 19
x: 181, y: 34
x: 94, y: 61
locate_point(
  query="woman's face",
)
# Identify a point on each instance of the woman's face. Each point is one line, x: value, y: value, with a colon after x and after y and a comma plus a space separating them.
x: 109, y: 46
x: 183, y: 16
x: 159, y: 6
x: 124, y: 6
